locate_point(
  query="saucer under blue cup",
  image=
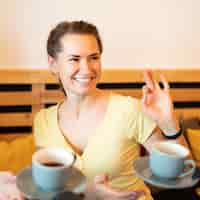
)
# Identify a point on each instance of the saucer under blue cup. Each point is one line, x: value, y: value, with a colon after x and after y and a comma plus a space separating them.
x: 142, y: 170
x: 29, y: 190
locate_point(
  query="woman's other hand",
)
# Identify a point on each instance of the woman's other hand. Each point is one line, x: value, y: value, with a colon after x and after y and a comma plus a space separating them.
x: 8, y: 188
x: 99, y: 189
x: 158, y: 105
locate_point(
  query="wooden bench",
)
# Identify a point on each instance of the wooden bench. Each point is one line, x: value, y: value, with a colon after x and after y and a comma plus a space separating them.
x: 23, y: 92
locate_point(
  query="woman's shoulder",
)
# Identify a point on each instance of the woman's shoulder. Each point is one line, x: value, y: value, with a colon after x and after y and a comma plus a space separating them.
x: 46, y: 112
x: 125, y: 101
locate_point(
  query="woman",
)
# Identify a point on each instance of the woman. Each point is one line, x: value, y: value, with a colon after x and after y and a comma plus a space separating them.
x: 102, y: 128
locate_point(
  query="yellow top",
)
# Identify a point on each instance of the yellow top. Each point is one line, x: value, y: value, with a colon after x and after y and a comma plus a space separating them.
x: 111, y: 149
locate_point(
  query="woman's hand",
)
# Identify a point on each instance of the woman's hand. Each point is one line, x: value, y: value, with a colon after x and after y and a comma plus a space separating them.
x: 100, y: 190
x: 157, y: 104
x: 8, y: 188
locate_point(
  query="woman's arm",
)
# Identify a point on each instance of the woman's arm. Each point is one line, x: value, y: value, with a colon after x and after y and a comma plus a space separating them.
x: 157, y: 104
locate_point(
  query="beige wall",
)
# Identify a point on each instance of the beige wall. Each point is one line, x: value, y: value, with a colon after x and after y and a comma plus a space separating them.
x: 161, y: 33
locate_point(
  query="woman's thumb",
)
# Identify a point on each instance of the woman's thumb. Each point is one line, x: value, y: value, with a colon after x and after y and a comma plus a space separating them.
x: 101, y: 179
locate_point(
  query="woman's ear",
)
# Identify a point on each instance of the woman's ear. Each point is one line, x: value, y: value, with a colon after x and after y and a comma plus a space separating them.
x: 52, y: 64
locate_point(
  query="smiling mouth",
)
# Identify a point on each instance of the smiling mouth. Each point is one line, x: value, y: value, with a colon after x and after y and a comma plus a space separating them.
x: 84, y: 79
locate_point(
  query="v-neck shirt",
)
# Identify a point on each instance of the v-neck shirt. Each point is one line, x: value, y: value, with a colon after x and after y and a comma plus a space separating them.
x: 113, y: 146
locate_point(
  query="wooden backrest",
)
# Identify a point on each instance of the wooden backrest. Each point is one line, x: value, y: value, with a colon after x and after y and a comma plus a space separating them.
x: 24, y: 92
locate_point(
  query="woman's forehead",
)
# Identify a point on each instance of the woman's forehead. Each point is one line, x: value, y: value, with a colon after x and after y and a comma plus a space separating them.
x: 72, y: 43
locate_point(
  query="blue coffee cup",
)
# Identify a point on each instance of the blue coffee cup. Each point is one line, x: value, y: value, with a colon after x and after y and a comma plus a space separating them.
x: 168, y: 160
x: 51, y: 167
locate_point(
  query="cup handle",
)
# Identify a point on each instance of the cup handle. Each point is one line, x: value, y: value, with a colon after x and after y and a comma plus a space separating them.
x: 190, y: 171
x: 74, y: 159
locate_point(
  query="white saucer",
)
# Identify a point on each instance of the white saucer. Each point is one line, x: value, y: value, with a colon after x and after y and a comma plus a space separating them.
x: 25, y: 184
x: 142, y: 169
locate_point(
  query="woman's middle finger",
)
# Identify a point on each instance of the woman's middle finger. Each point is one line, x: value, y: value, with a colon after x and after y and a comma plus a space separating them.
x: 151, y: 83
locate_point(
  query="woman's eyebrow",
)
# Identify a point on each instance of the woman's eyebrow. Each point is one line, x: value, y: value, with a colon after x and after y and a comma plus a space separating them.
x: 95, y: 54
x: 78, y: 56
x: 73, y: 55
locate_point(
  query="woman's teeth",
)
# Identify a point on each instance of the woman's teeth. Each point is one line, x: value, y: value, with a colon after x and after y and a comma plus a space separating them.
x: 84, y: 80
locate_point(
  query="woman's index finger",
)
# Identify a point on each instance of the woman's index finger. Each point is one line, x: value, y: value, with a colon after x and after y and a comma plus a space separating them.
x: 148, y: 78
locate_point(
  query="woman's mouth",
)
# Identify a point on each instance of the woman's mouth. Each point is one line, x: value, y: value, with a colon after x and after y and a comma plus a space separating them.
x: 84, y: 80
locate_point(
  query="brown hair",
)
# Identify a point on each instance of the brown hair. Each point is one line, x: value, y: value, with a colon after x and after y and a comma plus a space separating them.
x: 77, y: 27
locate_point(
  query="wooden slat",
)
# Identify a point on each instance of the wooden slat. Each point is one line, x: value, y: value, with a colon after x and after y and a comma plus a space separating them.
x: 8, y: 137
x: 16, y: 119
x: 188, y: 112
x: 176, y: 94
x: 16, y: 98
x: 26, y: 76
x: 176, y: 75
x: 185, y: 94
x: 52, y: 96
x: 29, y: 76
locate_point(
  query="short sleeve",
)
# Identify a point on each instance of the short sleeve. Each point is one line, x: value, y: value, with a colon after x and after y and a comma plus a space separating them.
x: 39, y: 128
x: 140, y: 126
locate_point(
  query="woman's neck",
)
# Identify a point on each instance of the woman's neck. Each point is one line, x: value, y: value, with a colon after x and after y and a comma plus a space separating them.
x: 75, y: 104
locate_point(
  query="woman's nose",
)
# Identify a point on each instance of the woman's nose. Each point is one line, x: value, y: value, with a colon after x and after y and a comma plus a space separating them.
x: 85, y: 65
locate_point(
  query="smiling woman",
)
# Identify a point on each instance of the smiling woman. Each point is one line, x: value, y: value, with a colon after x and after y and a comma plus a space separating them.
x: 79, y: 70
x: 102, y: 128
x: 74, y: 54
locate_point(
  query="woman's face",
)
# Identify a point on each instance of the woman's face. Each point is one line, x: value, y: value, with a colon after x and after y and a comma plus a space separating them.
x: 78, y: 64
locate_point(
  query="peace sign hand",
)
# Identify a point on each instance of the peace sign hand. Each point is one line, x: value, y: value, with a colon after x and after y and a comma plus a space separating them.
x: 158, y: 105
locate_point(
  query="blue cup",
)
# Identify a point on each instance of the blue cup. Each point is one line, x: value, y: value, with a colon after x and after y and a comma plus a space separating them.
x: 51, y: 167
x: 168, y: 160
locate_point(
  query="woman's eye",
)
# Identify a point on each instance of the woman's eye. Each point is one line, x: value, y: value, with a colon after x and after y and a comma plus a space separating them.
x: 74, y: 59
x: 95, y: 58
